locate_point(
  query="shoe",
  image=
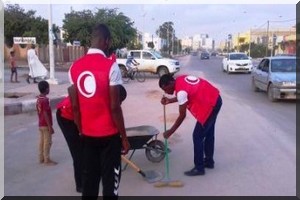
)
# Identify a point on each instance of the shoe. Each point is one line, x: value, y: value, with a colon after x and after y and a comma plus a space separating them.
x: 79, y: 189
x: 50, y: 163
x: 194, y: 172
x: 27, y: 80
x: 209, y: 166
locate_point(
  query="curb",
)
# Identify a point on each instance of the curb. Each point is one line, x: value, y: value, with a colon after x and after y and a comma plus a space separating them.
x: 28, y: 106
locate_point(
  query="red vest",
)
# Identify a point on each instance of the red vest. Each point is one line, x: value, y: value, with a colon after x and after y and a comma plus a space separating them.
x: 202, y: 96
x: 90, y: 75
x: 65, y: 107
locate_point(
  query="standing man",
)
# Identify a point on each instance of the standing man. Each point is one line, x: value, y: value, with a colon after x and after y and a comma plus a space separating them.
x: 36, y: 68
x: 98, y: 114
x: 204, y: 102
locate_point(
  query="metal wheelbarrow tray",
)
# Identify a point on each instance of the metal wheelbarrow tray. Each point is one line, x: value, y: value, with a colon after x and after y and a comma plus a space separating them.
x: 145, y: 137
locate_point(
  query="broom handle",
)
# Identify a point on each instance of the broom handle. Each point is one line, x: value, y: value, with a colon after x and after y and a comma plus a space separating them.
x: 166, y: 146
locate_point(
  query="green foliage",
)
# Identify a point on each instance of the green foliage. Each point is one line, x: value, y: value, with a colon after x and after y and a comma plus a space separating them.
x: 79, y: 24
x: 18, y: 23
x: 166, y: 32
x: 258, y: 50
x: 151, y: 45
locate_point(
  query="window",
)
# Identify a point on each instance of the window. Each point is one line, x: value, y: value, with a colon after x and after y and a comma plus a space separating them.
x: 147, y: 55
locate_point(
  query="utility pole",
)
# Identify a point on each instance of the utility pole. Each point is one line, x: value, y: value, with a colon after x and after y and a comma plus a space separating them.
x: 52, y: 79
x: 267, y: 48
x: 250, y: 42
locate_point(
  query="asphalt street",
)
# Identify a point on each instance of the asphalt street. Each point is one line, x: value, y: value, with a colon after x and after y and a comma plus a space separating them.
x: 255, y: 150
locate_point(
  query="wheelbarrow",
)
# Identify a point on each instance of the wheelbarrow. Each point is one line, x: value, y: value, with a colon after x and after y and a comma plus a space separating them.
x: 145, y: 137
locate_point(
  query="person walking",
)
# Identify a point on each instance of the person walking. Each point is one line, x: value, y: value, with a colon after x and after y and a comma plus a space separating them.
x: 204, y: 102
x: 36, y: 68
x: 13, y: 67
x: 95, y: 100
x: 45, y: 123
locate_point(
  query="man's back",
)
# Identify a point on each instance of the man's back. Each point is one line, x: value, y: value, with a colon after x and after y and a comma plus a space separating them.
x: 90, y: 74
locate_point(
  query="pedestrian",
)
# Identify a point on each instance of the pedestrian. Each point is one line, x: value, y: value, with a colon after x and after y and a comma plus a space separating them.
x: 203, y: 100
x: 13, y: 67
x: 98, y: 115
x: 45, y: 123
x: 36, y: 68
x: 65, y: 120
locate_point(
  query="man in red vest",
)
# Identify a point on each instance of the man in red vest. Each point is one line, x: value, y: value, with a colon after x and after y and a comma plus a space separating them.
x: 95, y: 99
x: 204, y: 102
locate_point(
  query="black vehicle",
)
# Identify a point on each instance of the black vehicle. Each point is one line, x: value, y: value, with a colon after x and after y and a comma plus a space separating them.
x: 204, y: 55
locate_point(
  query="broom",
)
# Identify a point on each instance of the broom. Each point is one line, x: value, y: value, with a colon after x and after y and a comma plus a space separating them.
x: 166, y: 181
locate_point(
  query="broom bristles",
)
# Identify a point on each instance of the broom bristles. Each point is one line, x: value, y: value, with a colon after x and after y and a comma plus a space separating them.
x: 169, y: 183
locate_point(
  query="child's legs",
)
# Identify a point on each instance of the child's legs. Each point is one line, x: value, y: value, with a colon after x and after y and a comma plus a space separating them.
x: 41, y: 145
x: 46, y: 143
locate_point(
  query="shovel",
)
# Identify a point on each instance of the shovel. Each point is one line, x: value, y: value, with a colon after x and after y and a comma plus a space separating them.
x: 149, y: 176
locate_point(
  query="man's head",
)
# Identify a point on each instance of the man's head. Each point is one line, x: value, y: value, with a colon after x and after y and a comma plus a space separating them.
x: 32, y: 46
x: 44, y: 87
x: 101, y: 38
x: 167, y: 83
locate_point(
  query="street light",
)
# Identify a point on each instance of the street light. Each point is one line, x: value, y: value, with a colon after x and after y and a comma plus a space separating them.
x: 52, y: 79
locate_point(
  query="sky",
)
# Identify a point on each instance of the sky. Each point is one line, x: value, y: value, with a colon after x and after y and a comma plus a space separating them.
x: 215, y: 18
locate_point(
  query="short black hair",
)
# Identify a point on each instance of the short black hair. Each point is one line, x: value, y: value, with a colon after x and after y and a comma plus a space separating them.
x: 165, y: 80
x: 101, y: 30
x: 43, y: 86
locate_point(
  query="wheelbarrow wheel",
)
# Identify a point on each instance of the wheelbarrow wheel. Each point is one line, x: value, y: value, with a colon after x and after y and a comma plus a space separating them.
x: 155, y: 151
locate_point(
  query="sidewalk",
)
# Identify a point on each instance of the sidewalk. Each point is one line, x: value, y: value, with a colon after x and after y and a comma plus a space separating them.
x: 21, y: 97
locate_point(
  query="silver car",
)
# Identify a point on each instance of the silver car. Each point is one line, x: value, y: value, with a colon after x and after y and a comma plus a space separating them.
x: 276, y: 76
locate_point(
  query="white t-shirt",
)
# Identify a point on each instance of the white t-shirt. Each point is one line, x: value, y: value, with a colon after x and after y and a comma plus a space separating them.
x: 182, y: 97
x: 115, y: 77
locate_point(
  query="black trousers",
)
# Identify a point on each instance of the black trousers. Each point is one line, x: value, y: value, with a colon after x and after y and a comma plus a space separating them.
x: 102, y: 162
x: 74, y: 141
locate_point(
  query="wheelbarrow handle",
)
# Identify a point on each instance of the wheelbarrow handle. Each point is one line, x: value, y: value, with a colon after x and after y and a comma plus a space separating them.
x: 134, y: 166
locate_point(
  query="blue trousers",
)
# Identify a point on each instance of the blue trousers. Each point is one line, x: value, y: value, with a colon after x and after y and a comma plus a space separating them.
x: 204, y: 139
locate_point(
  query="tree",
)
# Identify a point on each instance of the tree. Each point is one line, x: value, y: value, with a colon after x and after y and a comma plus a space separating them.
x: 18, y: 23
x: 166, y: 32
x: 79, y: 24
x: 151, y: 45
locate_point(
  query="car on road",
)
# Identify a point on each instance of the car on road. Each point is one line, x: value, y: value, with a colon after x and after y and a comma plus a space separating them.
x: 237, y: 62
x: 204, y: 55
x: 276, y: 76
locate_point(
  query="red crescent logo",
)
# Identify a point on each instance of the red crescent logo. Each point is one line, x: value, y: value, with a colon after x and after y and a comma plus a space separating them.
x: 86, y: 84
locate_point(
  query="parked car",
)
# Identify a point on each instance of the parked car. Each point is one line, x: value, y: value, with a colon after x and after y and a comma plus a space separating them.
x: 204, y: 55
x: 237, y: 62
x: 151, y: 61
x: 276, y: 76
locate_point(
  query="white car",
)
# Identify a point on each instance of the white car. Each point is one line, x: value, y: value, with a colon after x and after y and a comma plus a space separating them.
x: 237, y: 62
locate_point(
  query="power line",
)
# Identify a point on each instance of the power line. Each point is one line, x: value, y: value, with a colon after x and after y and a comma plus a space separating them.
x: 282, y: 21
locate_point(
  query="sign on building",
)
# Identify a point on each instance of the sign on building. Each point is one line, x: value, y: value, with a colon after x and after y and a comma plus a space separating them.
x: 24, y: 40
x: 76, y: 43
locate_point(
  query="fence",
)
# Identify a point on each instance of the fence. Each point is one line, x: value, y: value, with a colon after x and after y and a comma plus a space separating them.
x: 62, y: 54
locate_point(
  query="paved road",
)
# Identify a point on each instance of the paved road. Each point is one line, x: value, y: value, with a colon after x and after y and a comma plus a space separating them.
x: 255, y: 144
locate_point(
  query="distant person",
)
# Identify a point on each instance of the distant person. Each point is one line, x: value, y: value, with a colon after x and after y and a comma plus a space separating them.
x: 204, y: 102
x: 13, y: 67
x: 36, y: 68
x: 131, y: 63
x: 95, y: 99
x: 45, y: 123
